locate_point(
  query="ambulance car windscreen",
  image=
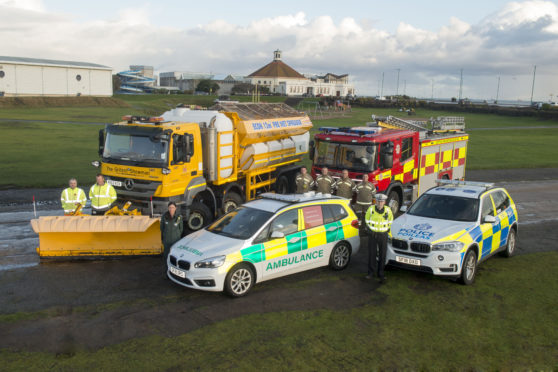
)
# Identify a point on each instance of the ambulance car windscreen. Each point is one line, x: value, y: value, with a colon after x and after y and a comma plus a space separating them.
x: 354, y: 157
x: 446, y: 207
x: 241, y: 223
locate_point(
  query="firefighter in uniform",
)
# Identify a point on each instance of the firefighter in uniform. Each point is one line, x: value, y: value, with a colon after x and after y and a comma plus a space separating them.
x: 324, y: 182
x: 378, y: 220
x: 345, y: 186
x: 304, y: 182
x: 71, y: 197
x: 365, y: 195
x: 102, y: 195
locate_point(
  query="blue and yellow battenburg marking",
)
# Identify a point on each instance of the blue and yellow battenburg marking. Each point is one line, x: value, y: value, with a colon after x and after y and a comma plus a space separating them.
x: 489, y: 237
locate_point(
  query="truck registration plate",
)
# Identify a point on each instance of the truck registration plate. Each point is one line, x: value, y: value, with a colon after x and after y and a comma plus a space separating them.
x: 177, y: 272
x: 410, y: 261
x: 115, y: 183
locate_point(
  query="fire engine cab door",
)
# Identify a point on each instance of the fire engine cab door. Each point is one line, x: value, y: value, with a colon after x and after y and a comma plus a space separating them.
x: 428, y: 172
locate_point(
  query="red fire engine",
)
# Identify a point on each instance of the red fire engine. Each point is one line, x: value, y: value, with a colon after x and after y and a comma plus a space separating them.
x: 403, y: 158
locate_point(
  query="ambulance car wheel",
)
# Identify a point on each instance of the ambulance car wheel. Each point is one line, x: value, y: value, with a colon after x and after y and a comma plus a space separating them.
x: 510, y: 245
x: 393, y: 202
x: 231, y: 202
x: 340, y: 256
x: 239, y: 280
x: 282, y: 185
x: 200, y: 216
x: 469, y: 269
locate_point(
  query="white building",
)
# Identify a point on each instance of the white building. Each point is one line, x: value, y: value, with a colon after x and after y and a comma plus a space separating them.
x: 283, y: 79
x: 43, y: 77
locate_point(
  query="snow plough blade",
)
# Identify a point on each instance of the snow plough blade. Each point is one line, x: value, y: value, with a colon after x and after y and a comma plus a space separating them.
x: 97, y: 236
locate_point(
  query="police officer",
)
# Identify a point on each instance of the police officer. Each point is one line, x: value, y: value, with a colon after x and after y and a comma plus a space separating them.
x: 378, y: 220
x: 72, y: 196
x: 171, y: 231
x: 324, y: 182
x: 304, y: 182
x: 102, y: 195
x: 365, y: 194
x: 345, y: 186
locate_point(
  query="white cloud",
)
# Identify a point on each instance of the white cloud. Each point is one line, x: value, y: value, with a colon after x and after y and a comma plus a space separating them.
x: 506, y: 43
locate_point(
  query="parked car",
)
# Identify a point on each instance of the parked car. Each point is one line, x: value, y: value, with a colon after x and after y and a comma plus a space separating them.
x: 267, y: 238
x: 454, y: 227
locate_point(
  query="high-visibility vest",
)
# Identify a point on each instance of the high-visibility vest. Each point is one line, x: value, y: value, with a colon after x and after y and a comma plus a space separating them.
x: 102, y: 196
x: 71, y: 197
x: 378, y: 221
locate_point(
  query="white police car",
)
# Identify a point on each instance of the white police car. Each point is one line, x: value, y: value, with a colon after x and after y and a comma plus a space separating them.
x: 274, y: 236
x: 453, y: 227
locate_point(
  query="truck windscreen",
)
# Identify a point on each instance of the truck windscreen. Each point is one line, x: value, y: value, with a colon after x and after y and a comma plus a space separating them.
x: 136, y: 147
x: 354, y: 157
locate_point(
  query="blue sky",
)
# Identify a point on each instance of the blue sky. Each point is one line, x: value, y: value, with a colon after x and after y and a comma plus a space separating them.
x: 429, y: 41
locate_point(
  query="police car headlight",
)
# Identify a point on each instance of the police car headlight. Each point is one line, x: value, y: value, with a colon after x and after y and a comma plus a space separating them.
x: 448, y: 246
x: 210, y: 263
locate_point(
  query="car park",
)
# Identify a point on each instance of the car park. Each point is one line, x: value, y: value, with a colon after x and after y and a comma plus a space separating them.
x: 452, y: 228
x: 267, y: 238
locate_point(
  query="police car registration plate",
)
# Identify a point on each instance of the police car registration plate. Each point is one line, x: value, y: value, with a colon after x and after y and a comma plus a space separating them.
x: 177, y: 272
x: 410, y: 261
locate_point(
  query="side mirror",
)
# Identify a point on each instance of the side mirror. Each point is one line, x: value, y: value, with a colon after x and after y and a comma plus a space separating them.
x: 101, y: 142
x: 277, y: 235
x: 403, y: 209
x: 489, y: 219
x: 311, y: 150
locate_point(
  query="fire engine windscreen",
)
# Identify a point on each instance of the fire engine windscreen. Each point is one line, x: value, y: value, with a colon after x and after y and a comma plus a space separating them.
x: 354, y: 157
x: 130, y: 146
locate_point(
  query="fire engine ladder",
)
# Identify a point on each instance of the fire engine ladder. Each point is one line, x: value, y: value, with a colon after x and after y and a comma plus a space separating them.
x: 392, y: 122
x: 448, y: 124
x: 257, y: 179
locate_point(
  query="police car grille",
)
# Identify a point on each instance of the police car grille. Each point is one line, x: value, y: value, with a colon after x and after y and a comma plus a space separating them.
x: 184, y: 265
x: 399, y: 244
x: 420, y: 247
x: 173, y: 260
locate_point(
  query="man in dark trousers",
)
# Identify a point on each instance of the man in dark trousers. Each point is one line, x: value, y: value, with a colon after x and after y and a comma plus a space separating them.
x: 171, y: 231
x: 378, y: 221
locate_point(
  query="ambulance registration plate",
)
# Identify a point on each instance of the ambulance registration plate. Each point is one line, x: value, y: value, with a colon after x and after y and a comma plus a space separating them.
x: 409, y: 261
x: 177, y: 272
x: 115, y: 183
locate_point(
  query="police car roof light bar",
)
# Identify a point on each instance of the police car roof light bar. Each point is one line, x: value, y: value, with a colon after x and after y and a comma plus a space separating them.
x: 486, y: 185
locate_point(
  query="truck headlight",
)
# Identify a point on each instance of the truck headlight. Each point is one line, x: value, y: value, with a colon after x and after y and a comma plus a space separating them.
x: 448, y: 246
x: 210, y: 263
x: 166, y: 171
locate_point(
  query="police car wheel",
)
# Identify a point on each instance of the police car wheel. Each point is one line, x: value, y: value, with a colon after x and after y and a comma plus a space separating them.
x: 340, y: 256
x: 200, y: 216
x: 231, y: 201
x: 510, y: 245
x: 393, y: 202
x: 469, y: 269
x: 239, y: 280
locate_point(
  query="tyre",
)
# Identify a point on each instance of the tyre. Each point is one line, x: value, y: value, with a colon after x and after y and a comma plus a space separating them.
x: 469, y: 269
x: 393, y: 202
x: 200, y: 216
x: 340, y: 256
x: 239, y: 280
x: 510, y: 244
x: 282, y: 185
x: 231, y: 201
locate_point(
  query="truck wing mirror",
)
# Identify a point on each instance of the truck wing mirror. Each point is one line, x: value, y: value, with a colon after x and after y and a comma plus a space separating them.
x: 101, y: 142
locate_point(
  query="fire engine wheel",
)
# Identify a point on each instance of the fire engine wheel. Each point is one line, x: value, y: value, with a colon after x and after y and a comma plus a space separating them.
x: 200, y: 216
x: 282, y: 185
x: 393, y: 202
x: 231, y: 201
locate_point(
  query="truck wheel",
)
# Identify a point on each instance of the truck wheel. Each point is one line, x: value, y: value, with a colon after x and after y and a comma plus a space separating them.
x: 231, y: 201
x: 469, y: 269
x: 239, y: 280
x: 340, y: 256
x: 282, y: 185
x: 200, y: 216
x: 510, y: 244
x: 393, y: 202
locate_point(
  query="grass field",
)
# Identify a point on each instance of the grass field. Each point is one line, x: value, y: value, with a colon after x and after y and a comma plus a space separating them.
x: 47, y: 154
x: 505, y: 321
